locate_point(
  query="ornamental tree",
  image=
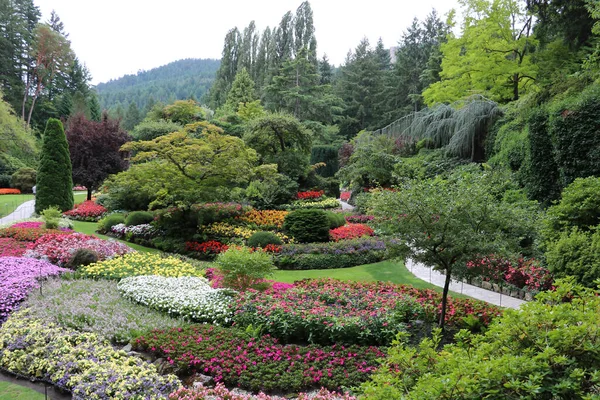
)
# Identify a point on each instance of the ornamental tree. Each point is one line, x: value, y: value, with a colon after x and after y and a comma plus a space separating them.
x: 54, y: 183
x: 95, y: 150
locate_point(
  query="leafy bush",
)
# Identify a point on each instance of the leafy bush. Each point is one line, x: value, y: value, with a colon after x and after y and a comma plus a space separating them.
x: 271, y: 192
x: 96, y: 306
x: 86, y: 211
x: 576, y: 253
x: 139, y: 218
x: 189, y: 297
x: 148, y: 130
x: 520, y: 273
x: 243, y: 267
x: 136, y: 264
x: 307, y: 226
x: 106, y: 223
x: 264, y: 364
x: 5, y: 181
x: 51, y: 216
x: 78, y: 362
x: 540, y: 351
x: 82, y: 257
x: 262, y: 239
x: 335, y: 220
x: 23, y: 179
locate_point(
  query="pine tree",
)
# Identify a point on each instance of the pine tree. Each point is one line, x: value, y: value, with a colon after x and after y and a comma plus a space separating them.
x: 54, y: 182
x: 259, y: 74
x: 325, y: 70
x: 132, y: 117
x: 242, y: 91
x: 227, y: 69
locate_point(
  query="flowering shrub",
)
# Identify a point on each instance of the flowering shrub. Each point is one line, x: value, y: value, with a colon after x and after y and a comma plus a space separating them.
x: 144, y: 231
x: 345, y: 196
x: 64, y: 224
x: 350, y: 231
x: 30, y: 234
x: 225, y: 230
x: 10, y: 247
x: 79, y: 189
x: 523, y: 274
x: 330, y: 311
x: 325, y: 203
x: 10, y: 191
x: 310, y: 195
x: 58, y: 248
x: 189, y: 297
x: 359, y: 219
x: 79, y: 362
x: 136, y: 264
x: 230, y: 356
x: 86, y: 211
x: 221, y: 392
x: 19, y: 276
x: 28, y: 224
x: 265, y: 219
x: 206, y: 250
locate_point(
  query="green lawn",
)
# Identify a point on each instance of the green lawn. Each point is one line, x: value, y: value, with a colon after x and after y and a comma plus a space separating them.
x: 10, y: 391
x: 9, y: 202
x: 89, y: 228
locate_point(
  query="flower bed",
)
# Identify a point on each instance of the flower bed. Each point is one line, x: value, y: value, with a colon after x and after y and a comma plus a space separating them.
x: 214, y: 212
x: 310, y: 195
x: 522, y: 273
x: 265, y: 219
x: 58, y: 248
x: 79, y: 362
x: 10, y: 247
x: 79, y: 188
x: 96, y: 306
x: 330, y: 311
x: 136, y: 264
x: 30, y: 234
x: 28, y: 224
x: 221, y: 392
x: 233, y: 357
x: 350, y: 231
x: 322, y: 204
x: 207, y: 250
x: 142, y: 231
x: 86, y: 211
x: 223, y: 230
x: 189, y: 297
x: 9, y: 191
x: 18, y: 277
x: 343, y: 254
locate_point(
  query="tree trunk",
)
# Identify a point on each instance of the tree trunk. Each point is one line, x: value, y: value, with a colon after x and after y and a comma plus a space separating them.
x: 444, y: 299
x: 516, y: 87
x: 89, y: 193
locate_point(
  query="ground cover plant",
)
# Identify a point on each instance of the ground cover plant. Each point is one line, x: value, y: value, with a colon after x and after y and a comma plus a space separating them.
x: 86, y: 211
x: 96, y: 306
x: 136, y: 264
x: 221, y: 392
x: 351, y: 231
x: 330, y: 311
x: 18, y: 277
x: 189, y: 297
x: 79, y: 362
x: 235, y: 358
x: 29, y: 234
x: 10, y: 247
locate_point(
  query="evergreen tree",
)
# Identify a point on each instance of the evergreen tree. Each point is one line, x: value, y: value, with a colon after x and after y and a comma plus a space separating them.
x: 259, y: 72
x: 247, y: 57
x: 227, y: 69
x: 132, y: 117
x: 94, y: 107
x: 383, y: 56
x: 54, y: 182
x: 64, y: 109
x: 325, y: 71
x: 242, y: 91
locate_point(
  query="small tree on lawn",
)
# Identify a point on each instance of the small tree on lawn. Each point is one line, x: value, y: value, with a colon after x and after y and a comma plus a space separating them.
x: 54, y: 184
x: 95, y: 150
x: 447, y: 222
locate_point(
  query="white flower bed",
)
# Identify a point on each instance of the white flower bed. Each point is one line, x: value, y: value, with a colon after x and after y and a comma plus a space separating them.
x: 189, y: 297
x: 143, y: 230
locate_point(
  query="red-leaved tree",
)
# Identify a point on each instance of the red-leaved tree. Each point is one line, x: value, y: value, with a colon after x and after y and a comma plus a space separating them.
x: 95, y: 150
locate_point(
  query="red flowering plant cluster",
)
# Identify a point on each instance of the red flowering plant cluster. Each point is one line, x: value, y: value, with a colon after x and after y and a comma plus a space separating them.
x: 206, y: 250
x: 329, y: 311
x: 86, y: 211
x: 345, y: 196
x: 10, y: 191
x: 10, y: 247
x: 29, y: 234
x: 522, y: 273
x: 235, y: 358
x: 350, y: 231
x: 310, y: 195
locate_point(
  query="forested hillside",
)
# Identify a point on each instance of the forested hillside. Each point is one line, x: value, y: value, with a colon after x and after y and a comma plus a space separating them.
x: 179, y: 80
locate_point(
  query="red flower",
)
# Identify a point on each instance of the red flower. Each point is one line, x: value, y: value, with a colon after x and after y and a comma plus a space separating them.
x: 350, y: 231
x: 315, y: 194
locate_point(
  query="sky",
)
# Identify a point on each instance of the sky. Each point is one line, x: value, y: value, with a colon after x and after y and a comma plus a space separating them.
x: 118, y: 37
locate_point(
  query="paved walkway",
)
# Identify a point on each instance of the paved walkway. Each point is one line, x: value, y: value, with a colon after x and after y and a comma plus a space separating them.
x: 25, y: 210
x: 436, y: 278
x: 345, y: 206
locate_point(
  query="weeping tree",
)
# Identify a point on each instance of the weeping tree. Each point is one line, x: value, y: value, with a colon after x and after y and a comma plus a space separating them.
x: 460, y: 127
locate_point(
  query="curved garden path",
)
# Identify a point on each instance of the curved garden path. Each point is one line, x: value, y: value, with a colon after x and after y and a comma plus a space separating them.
x: 25, y: 210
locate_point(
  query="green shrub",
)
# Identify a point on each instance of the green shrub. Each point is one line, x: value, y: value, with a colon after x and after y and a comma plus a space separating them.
x: 23, y: 179
x: 328, y: 155
x: 329, y: 261
x: 576, y: 253
x: 109, y: 221
x: 242, y: 268
x: 262, y: 238
x: 271, y: 192
x: 82, y: 257
x: 139, y: 218
x: 307, y: 225
x: 51, y: 217
x: 335, y: 220
x: 5, y: 181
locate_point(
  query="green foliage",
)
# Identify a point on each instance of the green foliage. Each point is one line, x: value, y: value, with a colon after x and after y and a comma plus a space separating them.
x: 328, y: 155
x: 5, y: 181
x: 148, y: 130
x: 250, y: 111
x: 82, y: 257
x: 242, y: 267
x: 51, y: 217
x: 183, y: 112
x: 335, y: 220
x: 18, y: 147
x: 540, y: 351
x: 242, y: 91
x: 109, y: 221
x: 139, y: 218
x: 261, y: 239
x: 271, y: 191
x: 24, y: 179
x: 330, y: 261
x: 576, y: 253
x: 307, y: 225
x: 54, y: 180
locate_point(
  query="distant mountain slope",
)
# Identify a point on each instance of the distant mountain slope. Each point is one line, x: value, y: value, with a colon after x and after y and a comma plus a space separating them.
x: 180, y: 79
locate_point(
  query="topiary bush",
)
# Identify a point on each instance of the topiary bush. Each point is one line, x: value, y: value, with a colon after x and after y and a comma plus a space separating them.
x: 139, y: 218
x: 82, y: 257
x: 335, y: 220
x: 307, y: 225
x: 109, y: 221
x: 262, y: 238
x: 242, y: 268
x: 23, y: 179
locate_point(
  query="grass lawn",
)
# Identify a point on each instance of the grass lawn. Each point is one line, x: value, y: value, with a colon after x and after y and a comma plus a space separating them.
x: 9, y: 202
x: 89, y: 228
x: 10, y: 391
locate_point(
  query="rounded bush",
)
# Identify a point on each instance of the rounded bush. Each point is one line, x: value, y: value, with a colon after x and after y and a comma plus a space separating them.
x: 307, y: 225
x: 335, y: 220
x: 261, y: 239
x: 82, y: 257
x: 139, y: 218
x: 23, y: 179
x: 109, y: 221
